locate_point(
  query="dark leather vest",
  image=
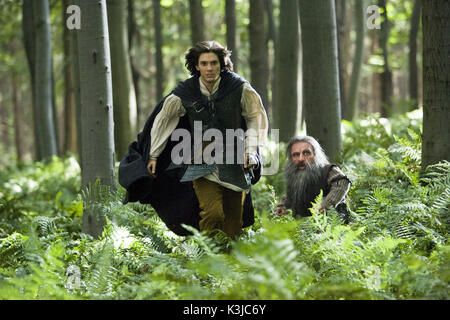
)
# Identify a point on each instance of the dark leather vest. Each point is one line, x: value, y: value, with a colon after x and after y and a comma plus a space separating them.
x: 221, y: 114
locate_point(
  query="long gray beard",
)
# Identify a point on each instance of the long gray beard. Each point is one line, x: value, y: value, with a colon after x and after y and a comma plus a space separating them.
x: 300, y: 184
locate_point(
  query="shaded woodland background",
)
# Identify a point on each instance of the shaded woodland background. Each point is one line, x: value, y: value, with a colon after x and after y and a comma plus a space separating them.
x: 379, y: 70
x: 81, y: 77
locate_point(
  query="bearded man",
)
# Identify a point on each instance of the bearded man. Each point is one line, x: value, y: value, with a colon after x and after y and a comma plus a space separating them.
x: 307, y: 172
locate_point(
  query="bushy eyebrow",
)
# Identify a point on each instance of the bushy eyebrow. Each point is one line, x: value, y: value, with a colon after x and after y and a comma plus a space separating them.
x: 208, y: 61
x: 306, y: 150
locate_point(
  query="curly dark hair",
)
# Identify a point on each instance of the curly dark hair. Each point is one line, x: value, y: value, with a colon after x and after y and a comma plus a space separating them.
x: 194, y: 53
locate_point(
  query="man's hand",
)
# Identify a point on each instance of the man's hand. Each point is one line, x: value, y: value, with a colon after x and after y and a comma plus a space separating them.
x: 151, y: 168
x: 280, y: 210
x: 249, y: 161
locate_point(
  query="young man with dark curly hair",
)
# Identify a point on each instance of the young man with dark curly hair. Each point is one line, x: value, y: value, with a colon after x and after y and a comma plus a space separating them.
x: 214, y: 98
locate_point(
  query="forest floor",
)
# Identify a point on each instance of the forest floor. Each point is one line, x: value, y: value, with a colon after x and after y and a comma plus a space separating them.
x: 396, y: 248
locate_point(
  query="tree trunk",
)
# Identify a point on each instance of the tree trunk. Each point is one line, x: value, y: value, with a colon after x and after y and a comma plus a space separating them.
x: 413, y: 69
x: 124, y: 96
x: 43, y: 80
x: 355, y: 79
x: 386, y: 75
x: 77, y: 90
x: 436, y: 81
x: 56, y: 119
x: 272, y: 35
x: 158, y: 50
x: 19, y: 122
x: 96, y: 107
x: 70, y: 132
x: 321, y: 97
x: 29, y: 40
x: 258, y: 50
x: 341, y: 10
x: 197, y: 21
x: 232, y: 38
x: 287, y: 70
x: 5, y: 112
x: 132, y: 33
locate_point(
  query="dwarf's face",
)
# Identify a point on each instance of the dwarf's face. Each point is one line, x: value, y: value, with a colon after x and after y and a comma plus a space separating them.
x: 302, y: 154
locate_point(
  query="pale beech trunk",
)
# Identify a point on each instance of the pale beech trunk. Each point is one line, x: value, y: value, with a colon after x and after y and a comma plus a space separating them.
x: 321, y: 96
x: 96, y: 106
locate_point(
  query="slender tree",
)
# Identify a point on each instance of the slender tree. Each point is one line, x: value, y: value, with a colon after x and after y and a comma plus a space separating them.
x: 75, y: 66
x: 355, y: 79
x: 341, y: 25
x: 124, y: 96
x: 29, y: 41
x: 96, y: 107
x: 436, y: 81
x: 287, y: 70
x: 386, y: 75
x: 158, y: 49
x: 19, y: 121
x: 413, y: 78
x: 43, y: 80
x: 258, y: 50
x: 133, y: 33
x: 70, y: 132
x: 321, y: 96
x: 197, y: 21
x: 5, y: 111
x: 232, y: 38
x: 272, y: 36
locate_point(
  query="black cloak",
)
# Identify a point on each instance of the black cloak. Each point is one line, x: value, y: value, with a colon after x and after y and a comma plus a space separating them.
x: 174, y: 202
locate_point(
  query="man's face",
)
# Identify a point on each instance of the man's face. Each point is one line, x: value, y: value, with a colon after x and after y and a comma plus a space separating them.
x: 209, y: 67
x: 302, y: 153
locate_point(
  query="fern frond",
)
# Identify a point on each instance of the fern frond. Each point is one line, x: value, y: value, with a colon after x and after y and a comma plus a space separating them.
x: 102, y: 278
x: 154, y: 240
x: 44, y: 225
x: 205, y: 242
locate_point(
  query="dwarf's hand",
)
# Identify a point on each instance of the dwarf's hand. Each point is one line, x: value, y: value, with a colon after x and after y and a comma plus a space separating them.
x: 321, y: 209
x: 280, y: 210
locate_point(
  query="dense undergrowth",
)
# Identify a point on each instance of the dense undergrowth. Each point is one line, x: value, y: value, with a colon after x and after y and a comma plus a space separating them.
x: 396, y: 247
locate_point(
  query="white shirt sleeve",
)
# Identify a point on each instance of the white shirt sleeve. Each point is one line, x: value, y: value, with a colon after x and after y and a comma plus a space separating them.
x: 255, y: 115
x: 165, y: 123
